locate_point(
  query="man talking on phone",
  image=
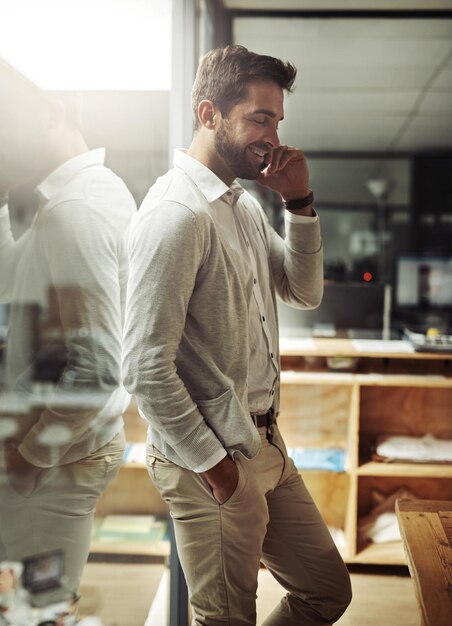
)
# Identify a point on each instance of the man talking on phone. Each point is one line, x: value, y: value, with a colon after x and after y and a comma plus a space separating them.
x: 201, y: 351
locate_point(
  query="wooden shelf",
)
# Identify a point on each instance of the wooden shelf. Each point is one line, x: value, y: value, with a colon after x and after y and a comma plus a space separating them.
x: 290, y: 377
x: 436, y: 470
x: 391, y: 553
x: 396, y: 380
x: 131, y: 548
x: 321, y: 472
x: 386, y: 394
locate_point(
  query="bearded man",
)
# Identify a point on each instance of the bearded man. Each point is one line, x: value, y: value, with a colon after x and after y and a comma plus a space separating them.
x: 201, y: 351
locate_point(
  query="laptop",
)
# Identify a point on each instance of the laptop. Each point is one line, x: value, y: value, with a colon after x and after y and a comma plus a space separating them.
x: 42, y: 577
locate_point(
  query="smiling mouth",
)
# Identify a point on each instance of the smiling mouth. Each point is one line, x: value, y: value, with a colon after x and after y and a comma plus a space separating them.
x: 258, y: 151
x: 260, y: 156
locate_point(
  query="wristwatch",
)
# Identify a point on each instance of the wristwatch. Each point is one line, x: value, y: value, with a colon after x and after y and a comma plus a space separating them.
x: 300, y: 203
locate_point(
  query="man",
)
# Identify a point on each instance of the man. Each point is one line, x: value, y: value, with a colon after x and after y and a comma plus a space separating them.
x: 201, y: 351
x: 65, y: 280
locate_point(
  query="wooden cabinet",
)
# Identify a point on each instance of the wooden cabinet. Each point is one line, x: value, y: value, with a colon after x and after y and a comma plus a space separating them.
x: 385, y: 393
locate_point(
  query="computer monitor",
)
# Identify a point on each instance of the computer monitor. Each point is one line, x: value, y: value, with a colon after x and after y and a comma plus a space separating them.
x: 354, y: 307
x: 43, y: 578
x: 43, y: 571
x: 424, y: 282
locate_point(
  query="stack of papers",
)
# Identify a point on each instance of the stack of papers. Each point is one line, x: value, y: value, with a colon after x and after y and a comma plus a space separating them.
x: 427, y: 449
x: 328, y: 459
x: 378, y: 345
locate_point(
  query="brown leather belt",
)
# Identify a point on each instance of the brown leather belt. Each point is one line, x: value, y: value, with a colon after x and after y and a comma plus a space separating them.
x: 264, y: 419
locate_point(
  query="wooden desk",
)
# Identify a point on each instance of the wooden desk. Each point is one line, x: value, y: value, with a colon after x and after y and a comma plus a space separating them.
x: 426, y: 529
x: 319, y: 346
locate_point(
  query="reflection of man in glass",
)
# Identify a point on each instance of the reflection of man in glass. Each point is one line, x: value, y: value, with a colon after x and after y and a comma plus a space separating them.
x: 65, y: 281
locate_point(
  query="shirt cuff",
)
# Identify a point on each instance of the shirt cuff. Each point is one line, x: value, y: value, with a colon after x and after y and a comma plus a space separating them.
x: 211, y: 462
x: 4, y: 209
x: 293, y: 218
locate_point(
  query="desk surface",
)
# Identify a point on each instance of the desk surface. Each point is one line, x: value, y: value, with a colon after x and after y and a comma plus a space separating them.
x: 426, y: 529
x: 370, y: 348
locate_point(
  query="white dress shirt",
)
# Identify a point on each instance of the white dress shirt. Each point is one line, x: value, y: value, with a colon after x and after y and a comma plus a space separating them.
x: 65, y: 278
x: 229, y: 210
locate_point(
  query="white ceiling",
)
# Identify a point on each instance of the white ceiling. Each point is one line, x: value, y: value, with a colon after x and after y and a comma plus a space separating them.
x: 374, y: 85
x: 364, y: 84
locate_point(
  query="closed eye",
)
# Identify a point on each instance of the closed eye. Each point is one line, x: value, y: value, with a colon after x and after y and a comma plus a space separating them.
x: 261, y: 122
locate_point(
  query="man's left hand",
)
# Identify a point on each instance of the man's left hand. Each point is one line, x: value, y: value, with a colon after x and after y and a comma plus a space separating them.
x: 287, y: 173
x: 21, y: 474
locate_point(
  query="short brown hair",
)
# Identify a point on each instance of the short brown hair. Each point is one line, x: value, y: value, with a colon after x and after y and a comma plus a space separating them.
x: 19, y: 95
x: 16, y: 91
x: 224, y: 75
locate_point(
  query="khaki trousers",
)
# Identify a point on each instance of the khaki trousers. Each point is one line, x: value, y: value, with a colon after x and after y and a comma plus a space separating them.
x: 270, y: 518
x: 59, y: 513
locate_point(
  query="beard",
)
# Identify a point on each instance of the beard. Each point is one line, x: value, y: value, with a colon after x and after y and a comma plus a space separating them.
x: 237, y: 158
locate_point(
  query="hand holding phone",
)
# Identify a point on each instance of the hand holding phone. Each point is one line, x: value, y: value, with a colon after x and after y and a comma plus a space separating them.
x: 286, y: 172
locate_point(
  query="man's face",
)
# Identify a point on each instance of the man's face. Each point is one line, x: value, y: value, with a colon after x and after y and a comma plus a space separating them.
x: 19, y: 159
x: 245, y: 138
x: 22, y: 138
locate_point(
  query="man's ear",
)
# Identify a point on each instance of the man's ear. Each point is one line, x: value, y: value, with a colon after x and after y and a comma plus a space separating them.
x: 208, y: 114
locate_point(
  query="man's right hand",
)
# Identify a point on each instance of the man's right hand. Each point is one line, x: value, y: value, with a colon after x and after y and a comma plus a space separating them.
x: 21, y: 474
x: 222, y: 478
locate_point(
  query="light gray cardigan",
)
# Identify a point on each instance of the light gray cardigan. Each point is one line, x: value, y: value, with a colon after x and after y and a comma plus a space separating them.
x: 186, y: 336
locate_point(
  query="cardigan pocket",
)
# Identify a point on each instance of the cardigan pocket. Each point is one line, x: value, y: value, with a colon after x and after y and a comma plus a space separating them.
x: 214, y: 401
x: 231, y: 422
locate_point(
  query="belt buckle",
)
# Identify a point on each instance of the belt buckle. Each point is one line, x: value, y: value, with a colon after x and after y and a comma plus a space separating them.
x: 270, y: 416
x: 270, y: 422
x: 255, y: 417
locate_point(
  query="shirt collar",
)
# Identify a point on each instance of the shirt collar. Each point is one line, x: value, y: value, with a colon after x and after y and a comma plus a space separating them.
x: 57, y: 179
x: 207, y: 182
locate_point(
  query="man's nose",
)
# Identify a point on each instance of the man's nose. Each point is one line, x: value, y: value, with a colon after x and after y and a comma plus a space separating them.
x: 271, y: 138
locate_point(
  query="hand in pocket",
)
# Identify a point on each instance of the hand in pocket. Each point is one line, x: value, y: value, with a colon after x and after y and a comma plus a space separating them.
x: 21, y: 474
x: 223, y: 479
